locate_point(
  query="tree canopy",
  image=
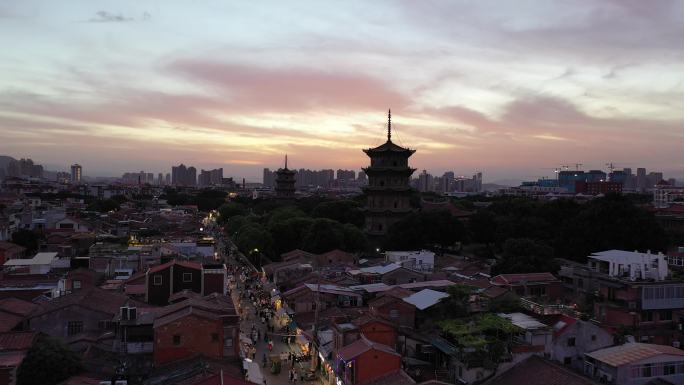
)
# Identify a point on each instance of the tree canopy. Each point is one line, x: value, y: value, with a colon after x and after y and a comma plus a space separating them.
x: 425, y: 229
x: 49, y: 362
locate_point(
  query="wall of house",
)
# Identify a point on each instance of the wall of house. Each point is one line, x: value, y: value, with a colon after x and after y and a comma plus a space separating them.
x: 214, y: 283
x: 405, y: 314
x: 55, y: 323
x: 587, y: 338
x: 401, y: 276
x: 159, y: 294
x: 196, y: 338
x: 626, y: 373
x: 374, y: 364
x: 179, y: 285
x: 381, y: 333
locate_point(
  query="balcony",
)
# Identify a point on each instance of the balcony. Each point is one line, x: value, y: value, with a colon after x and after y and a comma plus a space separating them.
x: 135, y: 347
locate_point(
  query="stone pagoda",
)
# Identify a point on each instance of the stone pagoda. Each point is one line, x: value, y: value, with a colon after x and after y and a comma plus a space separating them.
x: 388, y: 191
x: 285, y: 182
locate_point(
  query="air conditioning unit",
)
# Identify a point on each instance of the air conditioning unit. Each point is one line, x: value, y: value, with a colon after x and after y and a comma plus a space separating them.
x: 675, y: 344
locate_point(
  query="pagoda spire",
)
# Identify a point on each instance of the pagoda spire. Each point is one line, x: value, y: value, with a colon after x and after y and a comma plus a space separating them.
x: 389, y: 125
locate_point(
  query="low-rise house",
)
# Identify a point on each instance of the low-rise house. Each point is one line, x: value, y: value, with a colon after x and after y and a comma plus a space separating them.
x: 171, y: 277
x: 9, y: 250
x: 533, y: 335
x: 421, y: 260
x: 572, y: 337
x: 41, y: 263
x: 303, y: 298
x: 70, y: 223
x: 636, y: 364
x: 13, y: 311
x: 543, y: 285
x: 538, y: 371
x: 13, y: 349
x: 78, y: 318
x: 364, y: 361
x: 391, y: 307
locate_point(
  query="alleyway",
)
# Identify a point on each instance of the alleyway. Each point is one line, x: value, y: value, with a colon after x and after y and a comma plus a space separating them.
x: 249, y: 320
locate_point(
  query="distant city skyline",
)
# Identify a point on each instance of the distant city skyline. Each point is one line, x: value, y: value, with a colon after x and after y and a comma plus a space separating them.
x: 503, y: 88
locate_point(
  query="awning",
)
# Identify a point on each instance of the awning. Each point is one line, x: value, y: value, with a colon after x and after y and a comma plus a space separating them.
x: 444, y: 346
x: 302, y: 340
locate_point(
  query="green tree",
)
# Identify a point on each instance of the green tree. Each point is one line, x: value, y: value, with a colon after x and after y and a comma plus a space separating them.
x: 613, y: 222
x: 48, y: 362
x: 27, y: 238
x: 343, y: 211
x: 230, y: 209
x: 323, y: 235
x: 253, y: 237
x: 424, y: 229
x: 524, y: 255
x: 104, y: 206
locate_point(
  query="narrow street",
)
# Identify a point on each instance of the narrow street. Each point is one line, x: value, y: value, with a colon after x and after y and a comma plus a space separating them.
x: 250, y: 321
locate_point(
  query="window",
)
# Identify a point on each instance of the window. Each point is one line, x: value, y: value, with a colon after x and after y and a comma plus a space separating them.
x: 646, y: 370
x: 593, y: 337
x: 157, y: 280
x: 646, y: 316
x: 571, y: 341
x: 76, y: 285
x: 214, y: 337
x: 176, y: 340
x: 669, y: 369
x: 187, y: 277
x: 567, y: 360
x: 666, y: 315
x: 74, y: 327
x: 228, y: 342
x: 104, y: 325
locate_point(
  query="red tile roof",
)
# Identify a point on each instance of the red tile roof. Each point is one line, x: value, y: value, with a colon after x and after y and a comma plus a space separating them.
x: 396, y: 378
x: 9, y: 321
x: 164, y: 266
x: 93, y: 298
x: 537, y: 371
x: 12, y: 360
x: 515, y: 279
x: 17, y: 340
x: 631, y: 352
x: 361, y: 346
x: 17, y: 306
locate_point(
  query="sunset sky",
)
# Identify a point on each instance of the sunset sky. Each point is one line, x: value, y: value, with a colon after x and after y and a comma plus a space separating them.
x: 509, y: 88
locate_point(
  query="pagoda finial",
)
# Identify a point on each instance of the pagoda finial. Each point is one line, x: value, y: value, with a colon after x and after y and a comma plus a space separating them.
x: 389, y: 125
x: 285, y: 161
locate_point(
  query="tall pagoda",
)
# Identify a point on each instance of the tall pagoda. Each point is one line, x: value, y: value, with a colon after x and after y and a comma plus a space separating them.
x: 285, y: 182
x: 388, y: 191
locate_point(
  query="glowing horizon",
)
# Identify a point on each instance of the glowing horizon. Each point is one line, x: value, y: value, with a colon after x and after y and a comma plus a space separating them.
x: 512, y: 90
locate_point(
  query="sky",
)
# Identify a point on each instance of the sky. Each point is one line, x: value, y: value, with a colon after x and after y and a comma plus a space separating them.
x: 510, y: 88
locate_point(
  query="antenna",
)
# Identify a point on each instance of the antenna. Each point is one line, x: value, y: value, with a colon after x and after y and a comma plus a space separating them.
x: 578, y: 166
x: 389, y: 125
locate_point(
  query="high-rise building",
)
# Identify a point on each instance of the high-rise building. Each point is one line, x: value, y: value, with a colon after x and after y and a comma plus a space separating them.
x: 168, y: 179
x: 76, y: 173
x: 641, y: 179
x: 388, y: 191
x: 183, y: 176
x: 160, y: 179
x: 210, y: 177
x: 269, y: 178
x: 285, y: 182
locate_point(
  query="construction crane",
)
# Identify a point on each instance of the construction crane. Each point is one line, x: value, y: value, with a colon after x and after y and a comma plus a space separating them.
x: 611, y: 166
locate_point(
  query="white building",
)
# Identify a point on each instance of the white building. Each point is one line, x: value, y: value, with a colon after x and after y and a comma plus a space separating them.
x: 41, y: 263
x: 423, y: 260
x: 631, y: 265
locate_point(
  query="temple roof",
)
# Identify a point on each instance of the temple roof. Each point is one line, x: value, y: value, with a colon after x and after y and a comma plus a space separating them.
x: 388, y: 146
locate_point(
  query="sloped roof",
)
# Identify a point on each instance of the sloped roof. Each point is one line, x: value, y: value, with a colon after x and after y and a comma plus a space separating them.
x: 537, y: 371
x: 380, y: 269
x: 437, y: 283
x: 388, y: 146
x: 425, y: 298
x: 631, y: 352
x: 17, y: 340
x: 38, y: 259
x: 17, y: 306
x: 11, y: 246
x: 9, y: 321
x: 514, y: 279
x: 185, y: 312
x: 396, y: 378
x: 93, y: 298
x: 361, y: 346
x: 164, y: 266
